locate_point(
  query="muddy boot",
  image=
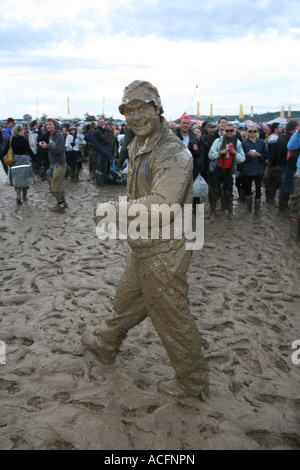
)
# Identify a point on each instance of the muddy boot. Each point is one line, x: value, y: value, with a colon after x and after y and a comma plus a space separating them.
x: 24, y: 194
x: 100, y: 179
x: 242, y: 195
x: 177, y: 389
x: 58, y: 208
x: 77, y: 171
x: 213, y: 205
x: 257, y: 207
x: 229, y: 209
x: 283, y: 204
x: 295, y: 231
x: 223, y: 202
x: 18, y: 192
x: 249, y: 203
x: 95, y: 344
x: 72, y: 172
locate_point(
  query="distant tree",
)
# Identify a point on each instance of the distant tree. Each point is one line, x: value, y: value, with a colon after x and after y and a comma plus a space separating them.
x: 43, y: 117
x: 27, y: 117
x: 89, y: 117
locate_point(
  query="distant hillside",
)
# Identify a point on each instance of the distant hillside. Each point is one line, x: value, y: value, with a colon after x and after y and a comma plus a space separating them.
x: 265, y: 117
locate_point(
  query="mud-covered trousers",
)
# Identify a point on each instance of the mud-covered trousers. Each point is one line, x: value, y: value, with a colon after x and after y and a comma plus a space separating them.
x: 156, y: 286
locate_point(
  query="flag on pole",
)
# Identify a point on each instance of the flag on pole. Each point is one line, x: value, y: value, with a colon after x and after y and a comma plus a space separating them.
x: 251, y: 113
x: 282, y: 112
x: 37, y: 106
x: 68, y: 105
x: 198, y: 109
x: 103, y: 106
x: 289, y: 112
x: 211, y: 110
x: 241, y: 116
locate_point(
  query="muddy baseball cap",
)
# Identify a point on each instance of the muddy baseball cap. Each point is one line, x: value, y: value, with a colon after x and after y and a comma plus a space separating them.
x: 140, y: 90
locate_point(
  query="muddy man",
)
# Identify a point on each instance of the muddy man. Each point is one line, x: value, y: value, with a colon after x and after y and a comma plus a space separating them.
x: 154, y: 282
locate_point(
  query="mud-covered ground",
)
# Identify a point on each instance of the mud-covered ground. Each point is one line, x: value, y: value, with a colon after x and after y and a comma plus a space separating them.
x: 57, y: 278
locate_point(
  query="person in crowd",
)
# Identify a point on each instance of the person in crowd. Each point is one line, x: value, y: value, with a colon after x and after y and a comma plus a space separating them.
x: 21, y: 175
x: 104, y: 152
x: 91, y: 150
x: 253, y: 168
x: 32, y: 139
x: 272, y: 176
x: 203, y: 169
x: 294, y: 162
x: 172, y: 126
x: 279, y: 161
x: 42, y: 154
x: 73, y: 154
x: 161, y: 169
x: 220, y: 131
x: 8, y: 130
x: 209, y: 135
x: 225, y: 152
x: 82, y: 143
x: 185, y: 134
x: 58, y: 163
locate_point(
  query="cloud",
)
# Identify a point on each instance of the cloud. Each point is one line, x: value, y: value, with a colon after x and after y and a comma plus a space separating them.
x: 236, y: 52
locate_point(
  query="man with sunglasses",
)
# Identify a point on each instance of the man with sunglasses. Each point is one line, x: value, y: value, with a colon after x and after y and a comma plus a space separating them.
x: 226, y: 151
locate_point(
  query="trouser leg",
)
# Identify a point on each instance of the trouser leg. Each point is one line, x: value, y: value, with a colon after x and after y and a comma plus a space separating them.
x: 166, y: 297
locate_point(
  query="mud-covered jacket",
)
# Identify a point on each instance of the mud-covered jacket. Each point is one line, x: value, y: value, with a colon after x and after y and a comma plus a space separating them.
x: 160, y: 172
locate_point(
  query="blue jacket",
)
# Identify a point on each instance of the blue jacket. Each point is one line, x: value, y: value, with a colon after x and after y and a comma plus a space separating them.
x: 254, y: 166
x: 294, y: 144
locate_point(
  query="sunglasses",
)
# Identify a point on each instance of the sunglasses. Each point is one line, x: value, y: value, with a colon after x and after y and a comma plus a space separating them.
x: 229, y: 130
x: 252, y: 132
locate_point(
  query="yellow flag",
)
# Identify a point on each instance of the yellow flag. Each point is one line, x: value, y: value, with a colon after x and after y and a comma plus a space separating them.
x: 241, y: 116
x: 289, y: 112
x: 198, y: 109
x: 68, y: 105
x: 211, y: 110
x: 282, y: 112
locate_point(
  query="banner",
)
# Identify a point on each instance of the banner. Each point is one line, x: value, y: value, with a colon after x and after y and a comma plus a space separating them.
x: 198, y: 109
x: 68, y: 105
x: 241, y: 116
x: 282, y: 112
x: 211, y: 111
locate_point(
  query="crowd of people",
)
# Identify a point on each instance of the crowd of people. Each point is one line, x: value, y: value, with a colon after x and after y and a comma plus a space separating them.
x: 250, y: 156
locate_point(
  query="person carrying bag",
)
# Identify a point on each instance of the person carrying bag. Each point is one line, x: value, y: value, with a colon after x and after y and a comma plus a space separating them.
x: 18, y: 155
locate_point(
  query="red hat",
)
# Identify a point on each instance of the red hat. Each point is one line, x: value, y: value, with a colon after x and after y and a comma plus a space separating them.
x: 10, y: 120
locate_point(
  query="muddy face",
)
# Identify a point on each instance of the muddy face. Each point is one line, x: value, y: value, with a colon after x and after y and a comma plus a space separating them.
x: 142, y: 118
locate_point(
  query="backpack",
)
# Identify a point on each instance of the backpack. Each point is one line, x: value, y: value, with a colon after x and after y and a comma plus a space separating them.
x: 292, y: 157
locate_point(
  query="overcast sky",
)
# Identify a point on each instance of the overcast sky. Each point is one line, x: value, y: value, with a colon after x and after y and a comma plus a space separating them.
x: 237, y: 52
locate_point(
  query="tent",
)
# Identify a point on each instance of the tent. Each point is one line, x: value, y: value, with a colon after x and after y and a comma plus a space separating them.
x: 282, y: 121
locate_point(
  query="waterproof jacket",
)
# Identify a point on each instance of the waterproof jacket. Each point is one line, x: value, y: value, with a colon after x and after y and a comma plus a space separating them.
x: 160, y: 172
x: 56, y: 149
x: 254, y: 166
x: 216, y: 147
x: 279, y: 158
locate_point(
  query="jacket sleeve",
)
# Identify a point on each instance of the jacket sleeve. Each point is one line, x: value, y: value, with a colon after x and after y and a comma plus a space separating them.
x: 5, y: 150
x: 240, y: 156
x: 294, y: 142
x: 214, y: 150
